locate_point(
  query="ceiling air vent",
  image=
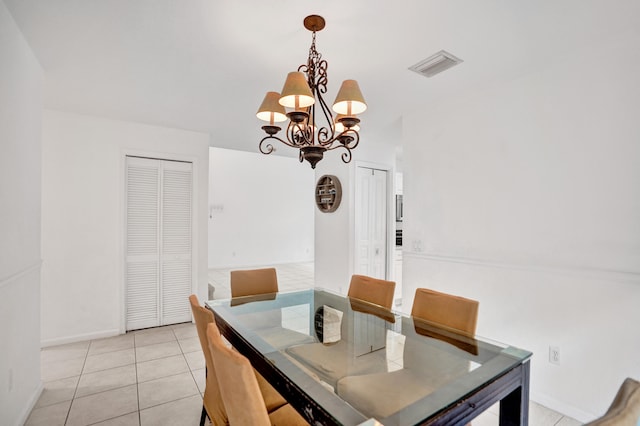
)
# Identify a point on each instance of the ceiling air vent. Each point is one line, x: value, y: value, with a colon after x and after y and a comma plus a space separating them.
x: 435, y: 64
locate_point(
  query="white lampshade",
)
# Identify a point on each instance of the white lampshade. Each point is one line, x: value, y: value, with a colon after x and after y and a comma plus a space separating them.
x: 349, y: 100
x: 296, y: 92
x: 270, y: 110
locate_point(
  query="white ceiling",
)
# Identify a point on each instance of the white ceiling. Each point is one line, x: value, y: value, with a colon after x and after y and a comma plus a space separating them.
x: 205, y: 65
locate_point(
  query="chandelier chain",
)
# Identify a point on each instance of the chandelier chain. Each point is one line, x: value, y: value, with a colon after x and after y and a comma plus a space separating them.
x: 316, y: 71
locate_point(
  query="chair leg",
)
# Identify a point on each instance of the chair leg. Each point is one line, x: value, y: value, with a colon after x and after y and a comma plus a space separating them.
x: 203, y: 416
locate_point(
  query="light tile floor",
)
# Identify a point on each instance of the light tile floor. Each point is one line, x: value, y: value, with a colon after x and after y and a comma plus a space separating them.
x: 146, y: 377
x: 156, y: 376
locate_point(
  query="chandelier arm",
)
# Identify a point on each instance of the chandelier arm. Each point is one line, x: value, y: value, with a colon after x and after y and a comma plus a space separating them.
x: 355, y: 141
x: 267, y: 148
x: 346, y: 156
x: 348, y: 139
x: 338, y: 146
x: 355, y: 144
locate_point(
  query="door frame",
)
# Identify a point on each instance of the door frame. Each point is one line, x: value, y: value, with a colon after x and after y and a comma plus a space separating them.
x: 122, y: 230
x: 390, y: 207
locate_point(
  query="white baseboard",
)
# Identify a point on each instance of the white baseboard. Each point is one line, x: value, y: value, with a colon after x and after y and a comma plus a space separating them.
x: 32, y: 403
x: 562, y: 408
x: 79, y: 337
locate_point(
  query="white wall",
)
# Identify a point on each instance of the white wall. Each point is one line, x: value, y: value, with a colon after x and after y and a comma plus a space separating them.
x: 83, y: 216
x: 20, y: 127
x: 261, y: 209
x: 526, y: 197
x: 335, y: 232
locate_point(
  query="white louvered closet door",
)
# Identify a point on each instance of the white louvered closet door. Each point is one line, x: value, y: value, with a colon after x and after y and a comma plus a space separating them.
x: 158, y: 242
x: 175, y: 235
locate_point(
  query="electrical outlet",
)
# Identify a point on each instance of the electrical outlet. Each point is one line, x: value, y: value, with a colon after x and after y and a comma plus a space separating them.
x: 554, y: 355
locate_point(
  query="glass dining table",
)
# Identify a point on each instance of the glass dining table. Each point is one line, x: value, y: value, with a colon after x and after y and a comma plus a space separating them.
x: 344, y: 361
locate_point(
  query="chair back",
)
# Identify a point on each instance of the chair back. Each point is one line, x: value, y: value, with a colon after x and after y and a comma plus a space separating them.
x: 251, y: 282
x: 625, y: 408
x: 373, y: 290
x: 241, y: 393
x: 212, y: 400
x: 451, y: 311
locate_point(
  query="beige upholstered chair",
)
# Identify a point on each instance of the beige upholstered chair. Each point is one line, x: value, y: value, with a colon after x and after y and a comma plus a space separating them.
x: 262, y: 284
x: 447, y: 310
x: 373, y: 290
x: 625, y: 408
x: 253, y: 281
x: 212, y: 403
x: 240, y: 392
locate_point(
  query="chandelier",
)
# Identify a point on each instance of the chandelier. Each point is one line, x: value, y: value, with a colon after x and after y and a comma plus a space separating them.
x: 302, y: 95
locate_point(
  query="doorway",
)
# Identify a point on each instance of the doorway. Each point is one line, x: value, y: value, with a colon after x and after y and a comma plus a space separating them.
x: 371, y: 222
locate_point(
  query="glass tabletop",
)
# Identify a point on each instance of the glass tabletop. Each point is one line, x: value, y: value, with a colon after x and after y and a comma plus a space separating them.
x: 394, y: 368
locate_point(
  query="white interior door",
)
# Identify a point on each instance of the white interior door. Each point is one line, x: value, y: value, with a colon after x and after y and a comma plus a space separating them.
x: 158, y: 242
x: 371, y: 222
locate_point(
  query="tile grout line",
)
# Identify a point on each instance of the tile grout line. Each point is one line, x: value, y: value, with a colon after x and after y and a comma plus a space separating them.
x: 171, y: 375
x: 73, y: 398
x: 135, y: 363
x: 187, y: 362
x: 559, y: 420
x: 99, y: 371
x: 82, y: 373
x: 200, y: 394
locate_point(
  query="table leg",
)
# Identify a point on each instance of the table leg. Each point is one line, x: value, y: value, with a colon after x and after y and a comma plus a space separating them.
x: 514, y: 408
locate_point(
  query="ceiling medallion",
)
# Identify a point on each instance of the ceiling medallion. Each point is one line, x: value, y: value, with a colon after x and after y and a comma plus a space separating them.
x: 302, y: 92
